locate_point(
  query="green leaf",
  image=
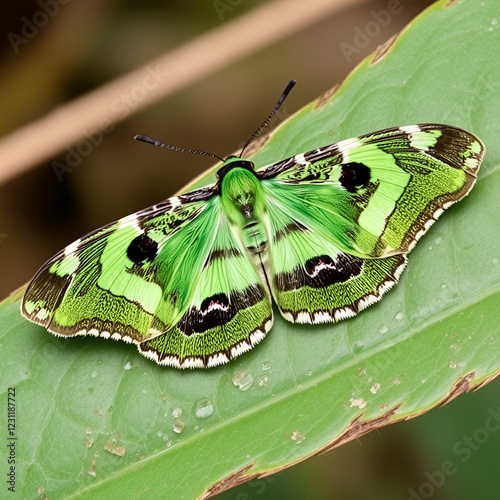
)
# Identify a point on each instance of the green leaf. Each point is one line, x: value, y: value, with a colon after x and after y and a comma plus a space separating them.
x: 96, y: 420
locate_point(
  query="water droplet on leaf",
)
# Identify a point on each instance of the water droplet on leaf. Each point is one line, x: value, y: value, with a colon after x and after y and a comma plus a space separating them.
x: 204, y: 408
x: 242, y: 380
x: 178, y: 427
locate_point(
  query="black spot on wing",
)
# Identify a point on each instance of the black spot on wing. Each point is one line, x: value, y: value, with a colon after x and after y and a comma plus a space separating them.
x: 354, y: 176
x: 320, y: 271
x: 142, y: 249
x: 218, y: 310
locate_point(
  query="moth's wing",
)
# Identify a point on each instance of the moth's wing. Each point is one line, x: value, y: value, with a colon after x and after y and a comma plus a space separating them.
x: 229, y: 308
x: 136, y: 278
x: 108, y: 283
x: 312, y: 279
x: 342, y: 218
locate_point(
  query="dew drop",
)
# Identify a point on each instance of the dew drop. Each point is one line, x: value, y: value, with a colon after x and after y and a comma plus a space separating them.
x: 99, y: 362
x: 242, y: 380
x: 176, y: 412
x: 443, y: 286
x: 128, y: 366
x: 93, y: 374
x: 297, y: 436
x: 204, y: 408
x: 438, y: 240
x: 495, y: 261
x: 399, y: 316
x: 144, y: 391
x: 263, y: 380
x: 375, y: 388
x: 159, y: 434
x: 383, y: 329
x: 357, y: 347
x: 178, y: 426
x: 266, y: 365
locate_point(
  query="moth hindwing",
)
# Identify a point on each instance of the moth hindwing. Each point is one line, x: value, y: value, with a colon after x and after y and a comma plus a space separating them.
x: 324, y: 233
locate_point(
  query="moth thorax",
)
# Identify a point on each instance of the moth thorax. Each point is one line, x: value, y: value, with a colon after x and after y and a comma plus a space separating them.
x: 241, y: 191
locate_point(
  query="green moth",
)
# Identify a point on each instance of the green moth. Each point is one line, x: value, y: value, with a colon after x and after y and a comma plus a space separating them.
x: 324, y: 233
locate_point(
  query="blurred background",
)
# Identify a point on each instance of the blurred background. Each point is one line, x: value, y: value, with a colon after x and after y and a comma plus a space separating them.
x: 54, y: 51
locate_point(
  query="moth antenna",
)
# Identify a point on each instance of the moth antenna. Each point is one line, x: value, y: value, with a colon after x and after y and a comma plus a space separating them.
x: 154, y: 142
x: 264, y: 124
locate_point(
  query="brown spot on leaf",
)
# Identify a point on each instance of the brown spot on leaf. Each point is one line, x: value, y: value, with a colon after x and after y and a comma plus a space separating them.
x: 449, y: 3
x: 326, y: 97
x: 92, y: 470
x: 358, y: 428
x: 383, y: 50
x: 462, y: 385
x: 40, y: 491
x: 112, y: 446
x: 257, y: 144
x: 235, y: 479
